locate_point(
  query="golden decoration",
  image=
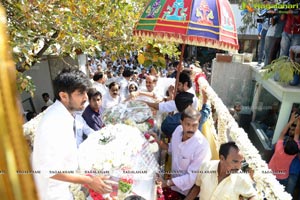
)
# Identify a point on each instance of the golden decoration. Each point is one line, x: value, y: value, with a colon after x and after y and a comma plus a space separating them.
x: 14, y: 156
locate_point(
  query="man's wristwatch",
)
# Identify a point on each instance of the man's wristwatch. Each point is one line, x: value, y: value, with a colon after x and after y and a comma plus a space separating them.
x: 169, y: 183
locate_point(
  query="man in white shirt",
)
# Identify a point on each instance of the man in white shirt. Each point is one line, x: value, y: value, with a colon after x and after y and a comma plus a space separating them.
x: 82, y: 129
x: 103, y: 63
x: 151, y: 93
x: 55, y: 148
x: 189, y: 148
x: 124, y: 80
x: 184, y: 85
x: 99, y: 82
x: 46, y: 98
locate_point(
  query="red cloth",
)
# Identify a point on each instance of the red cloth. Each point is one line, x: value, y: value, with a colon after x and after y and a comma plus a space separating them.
x: 199, y: 75
x: 292, y: 24
x: 172, y: 195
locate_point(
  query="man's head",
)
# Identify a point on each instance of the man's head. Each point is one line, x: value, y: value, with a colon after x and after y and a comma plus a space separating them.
x: 109, y: 65
x: 291, y: 131
x: 135, y: 75
x: 237, y: 106
x: 127, y: 73
x: 114, y: 89
x: 190, y: 121
x: 123, y: 62
x: 95, y: 99
x: 45, y: 96
x: 183, y: 100
x: 109, y: 74
x: 100, y: 77
x: 150, y: 83
x: 184, y: 82
x: 230, y: 157
x: 70, y: 87
x: 291, y: 147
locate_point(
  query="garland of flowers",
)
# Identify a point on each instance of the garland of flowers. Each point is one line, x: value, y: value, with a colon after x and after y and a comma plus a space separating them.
x: 122, y: 151
x: 210, y: 123
x: 78, y: 192
x: 266, y: 184
x: 30, y: 127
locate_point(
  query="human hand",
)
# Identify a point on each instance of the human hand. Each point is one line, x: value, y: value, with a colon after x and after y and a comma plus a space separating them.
x: 171, y: 91
x: 204, y: 94
x: 293, y: 118
x: 160, y: 181
x: 99, y: 185
x: 134, y: 94
x: 154, y: 135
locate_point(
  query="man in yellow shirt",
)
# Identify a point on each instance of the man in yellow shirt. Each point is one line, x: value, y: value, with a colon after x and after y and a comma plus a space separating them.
x: 223, y: 179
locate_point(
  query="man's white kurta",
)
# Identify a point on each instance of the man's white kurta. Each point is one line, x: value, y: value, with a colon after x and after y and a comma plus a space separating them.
x: 55, y: 151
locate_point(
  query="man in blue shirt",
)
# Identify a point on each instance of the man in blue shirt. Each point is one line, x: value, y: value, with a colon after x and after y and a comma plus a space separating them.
x: 182, y: 101
x: 93, y: 112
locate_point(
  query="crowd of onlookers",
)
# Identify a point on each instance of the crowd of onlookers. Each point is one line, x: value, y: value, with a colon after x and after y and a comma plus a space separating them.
x: 190, y: 149
x: 278, y: 32
x: 115, y: 82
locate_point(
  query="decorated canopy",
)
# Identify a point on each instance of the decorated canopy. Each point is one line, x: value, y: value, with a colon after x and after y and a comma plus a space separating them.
x: 208, y: 23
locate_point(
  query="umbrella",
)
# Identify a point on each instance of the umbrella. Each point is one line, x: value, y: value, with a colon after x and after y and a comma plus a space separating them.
x: 208, y: 23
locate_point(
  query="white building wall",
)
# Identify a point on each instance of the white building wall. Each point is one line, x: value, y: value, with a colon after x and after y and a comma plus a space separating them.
x: 40, y: 74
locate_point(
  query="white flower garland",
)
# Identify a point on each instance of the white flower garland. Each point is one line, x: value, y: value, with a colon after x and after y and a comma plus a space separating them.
x: 77, y: 191
x: 266, y: 184
x: 114, y: 147
x: 29, y: 128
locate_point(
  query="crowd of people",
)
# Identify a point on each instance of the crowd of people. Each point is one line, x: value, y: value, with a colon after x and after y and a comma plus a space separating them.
x: 78, y: 110
x: 277, y: 32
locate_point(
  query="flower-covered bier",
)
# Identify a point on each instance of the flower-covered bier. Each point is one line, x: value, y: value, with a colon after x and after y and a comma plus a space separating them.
x: 133, y: 113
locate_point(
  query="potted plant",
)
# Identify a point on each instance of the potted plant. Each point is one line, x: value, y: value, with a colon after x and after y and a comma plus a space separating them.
x: 283, y: 70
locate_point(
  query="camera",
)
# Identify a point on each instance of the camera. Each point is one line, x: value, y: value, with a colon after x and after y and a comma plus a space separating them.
x: 263, y: 15
x: 260, y: 20
x: 277, y: 9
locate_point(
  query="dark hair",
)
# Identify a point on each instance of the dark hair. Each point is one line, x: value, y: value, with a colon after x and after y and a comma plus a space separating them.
x: 93, y: 92
x: 44, y: 108
x: 187, y: 71
x: 225, y: 147
x: 45, y: 95
x: 184, y: 77
x: 69, y: 80
x: 127, y: 73
x: 30, y: 115
x: 97, y: 76
x: 175, y: 63
x: 112, y: 84
x: 191, y: 113
x: 291, y: 147
x: 183, y: 100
